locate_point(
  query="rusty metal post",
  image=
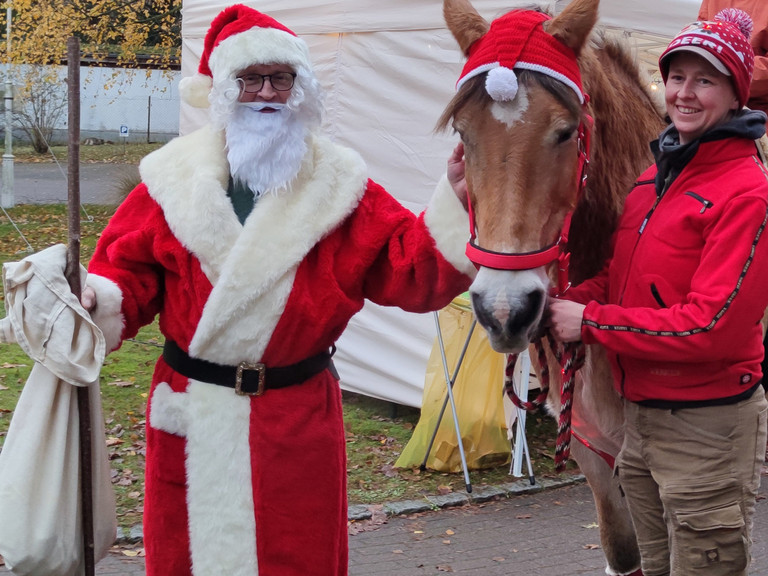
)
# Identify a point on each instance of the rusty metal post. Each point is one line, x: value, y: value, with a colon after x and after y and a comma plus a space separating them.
x: 72, y: 272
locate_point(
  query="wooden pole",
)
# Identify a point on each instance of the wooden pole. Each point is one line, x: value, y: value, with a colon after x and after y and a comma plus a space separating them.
x: 72, y: 273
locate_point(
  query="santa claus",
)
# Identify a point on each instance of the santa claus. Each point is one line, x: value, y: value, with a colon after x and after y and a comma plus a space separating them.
x: 256, y: 239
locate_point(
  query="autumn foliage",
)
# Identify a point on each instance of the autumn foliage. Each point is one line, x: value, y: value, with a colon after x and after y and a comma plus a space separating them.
x: 125, y: 33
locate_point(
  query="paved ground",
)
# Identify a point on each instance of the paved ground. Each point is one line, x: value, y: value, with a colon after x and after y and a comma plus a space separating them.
x: 46, y: 183
x: 549, y: 533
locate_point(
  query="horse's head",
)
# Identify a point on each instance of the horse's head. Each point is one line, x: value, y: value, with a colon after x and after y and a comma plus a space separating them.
x: 523, y: 154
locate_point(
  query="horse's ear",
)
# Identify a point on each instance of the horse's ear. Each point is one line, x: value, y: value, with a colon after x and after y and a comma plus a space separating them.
x: 464, y: 22
x: 573, y: 25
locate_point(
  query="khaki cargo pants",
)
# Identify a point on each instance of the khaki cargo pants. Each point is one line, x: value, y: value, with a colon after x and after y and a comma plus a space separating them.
x: 691, y: 477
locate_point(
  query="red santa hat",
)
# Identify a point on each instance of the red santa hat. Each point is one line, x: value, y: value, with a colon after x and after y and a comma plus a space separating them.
x: 724, y: 43
x: 240, y: 37
x: 518, y: 40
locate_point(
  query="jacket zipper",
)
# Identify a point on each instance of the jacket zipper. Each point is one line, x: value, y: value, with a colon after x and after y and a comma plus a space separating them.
x: 705, y: 203
x: 640, y: 231
x: 650, y: 213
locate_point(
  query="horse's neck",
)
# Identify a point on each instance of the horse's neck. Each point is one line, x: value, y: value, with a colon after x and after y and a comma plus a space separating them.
x: 626, y: 119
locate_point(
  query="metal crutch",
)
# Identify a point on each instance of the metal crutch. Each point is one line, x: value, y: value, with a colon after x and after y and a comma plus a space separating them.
x: 521, y: 447
x: 449, y: 397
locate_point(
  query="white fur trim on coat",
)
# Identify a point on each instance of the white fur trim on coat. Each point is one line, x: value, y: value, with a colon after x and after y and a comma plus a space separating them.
x: 107, y: 314
x: 215, y: 422
x: 251, y: 266
x: 448, y: 223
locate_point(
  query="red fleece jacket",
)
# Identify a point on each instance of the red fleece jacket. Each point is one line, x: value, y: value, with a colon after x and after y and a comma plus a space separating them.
x: 678, y: 306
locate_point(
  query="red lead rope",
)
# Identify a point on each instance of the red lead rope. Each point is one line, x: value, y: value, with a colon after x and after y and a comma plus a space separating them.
x: 571, y: 357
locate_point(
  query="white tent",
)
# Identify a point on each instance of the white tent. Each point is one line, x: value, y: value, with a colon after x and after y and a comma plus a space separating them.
x: 389, y: 69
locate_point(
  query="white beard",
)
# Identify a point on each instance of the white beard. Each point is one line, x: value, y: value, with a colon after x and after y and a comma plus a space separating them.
x: 265, y: 150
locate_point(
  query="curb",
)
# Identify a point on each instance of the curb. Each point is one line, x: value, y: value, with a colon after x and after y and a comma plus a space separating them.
x: 360, y: 512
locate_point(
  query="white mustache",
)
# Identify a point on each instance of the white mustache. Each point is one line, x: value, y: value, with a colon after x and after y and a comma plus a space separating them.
x: 259, y: 106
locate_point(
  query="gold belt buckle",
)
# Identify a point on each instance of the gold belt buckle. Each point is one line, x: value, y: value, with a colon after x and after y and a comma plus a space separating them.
x: 260, y: 368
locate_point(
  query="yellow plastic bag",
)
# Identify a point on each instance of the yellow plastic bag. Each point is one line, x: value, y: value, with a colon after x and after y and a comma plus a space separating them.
x: 478, y: 392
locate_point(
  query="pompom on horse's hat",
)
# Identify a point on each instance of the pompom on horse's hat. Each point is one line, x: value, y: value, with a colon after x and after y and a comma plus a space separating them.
x: 724, y: 43
x: 237, y: 38
x: 518, y: 40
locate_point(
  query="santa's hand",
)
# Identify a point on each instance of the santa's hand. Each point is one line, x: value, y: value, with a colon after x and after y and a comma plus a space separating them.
x: 456, y: 173
x: 88, y: 298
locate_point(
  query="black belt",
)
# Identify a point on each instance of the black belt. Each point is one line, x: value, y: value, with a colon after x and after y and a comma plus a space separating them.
x: 248, y: 379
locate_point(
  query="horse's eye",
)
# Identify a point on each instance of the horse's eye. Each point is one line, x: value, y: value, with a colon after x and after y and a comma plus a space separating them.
x: 564, y: 135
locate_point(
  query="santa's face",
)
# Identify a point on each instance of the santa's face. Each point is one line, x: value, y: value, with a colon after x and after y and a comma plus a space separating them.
x: 265, y: 137
x: 266, y: 83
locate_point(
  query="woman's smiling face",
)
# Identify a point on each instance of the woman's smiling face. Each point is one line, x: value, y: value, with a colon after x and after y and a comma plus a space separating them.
x: 698, y: 97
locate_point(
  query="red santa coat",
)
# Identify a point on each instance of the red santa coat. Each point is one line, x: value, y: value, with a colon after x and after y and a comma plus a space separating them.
x: 238, y: 485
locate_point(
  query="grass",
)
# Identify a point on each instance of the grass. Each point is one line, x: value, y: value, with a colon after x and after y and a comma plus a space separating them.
x: 109, y: 152
x: 376, y: 431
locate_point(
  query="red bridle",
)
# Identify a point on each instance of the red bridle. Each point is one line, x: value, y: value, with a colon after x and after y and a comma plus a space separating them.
x: 570, y: 355
x: 555, y: 252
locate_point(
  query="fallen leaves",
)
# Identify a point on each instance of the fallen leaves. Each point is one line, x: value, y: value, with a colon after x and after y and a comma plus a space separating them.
x: 123, y: 477
x: 121, y: 384
x: 377, y: 519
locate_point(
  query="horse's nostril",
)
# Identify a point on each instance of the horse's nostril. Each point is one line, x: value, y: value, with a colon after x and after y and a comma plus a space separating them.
x: 528, y: 312
x: 484, y: 316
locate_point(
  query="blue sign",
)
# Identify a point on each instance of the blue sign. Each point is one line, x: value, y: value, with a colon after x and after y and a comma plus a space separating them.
x: 123, y: 131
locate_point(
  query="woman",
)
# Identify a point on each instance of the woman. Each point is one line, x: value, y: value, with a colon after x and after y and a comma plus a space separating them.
x: 678, y: 310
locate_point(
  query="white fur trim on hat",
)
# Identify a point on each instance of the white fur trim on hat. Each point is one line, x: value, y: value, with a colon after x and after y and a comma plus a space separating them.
x: 257, y: 46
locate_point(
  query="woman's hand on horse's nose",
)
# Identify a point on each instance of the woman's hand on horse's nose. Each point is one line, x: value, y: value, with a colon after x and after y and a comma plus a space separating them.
x: 455, y: 174
x: 565, y: 318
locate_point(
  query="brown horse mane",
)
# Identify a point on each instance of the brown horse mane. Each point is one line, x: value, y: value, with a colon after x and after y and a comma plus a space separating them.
x: 627, y: 117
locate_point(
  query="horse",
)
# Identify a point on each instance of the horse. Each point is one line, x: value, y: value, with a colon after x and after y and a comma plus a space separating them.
x: 524, y: 150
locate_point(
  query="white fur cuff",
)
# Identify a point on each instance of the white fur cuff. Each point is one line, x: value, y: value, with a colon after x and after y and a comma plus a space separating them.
x: 448, y: 223
x: 107, y: 314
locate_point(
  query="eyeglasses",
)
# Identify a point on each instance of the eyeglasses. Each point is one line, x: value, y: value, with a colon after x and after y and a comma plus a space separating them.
x: 280, y: 81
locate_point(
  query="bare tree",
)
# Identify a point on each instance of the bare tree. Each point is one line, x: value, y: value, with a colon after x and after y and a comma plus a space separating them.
x: 43, y: 103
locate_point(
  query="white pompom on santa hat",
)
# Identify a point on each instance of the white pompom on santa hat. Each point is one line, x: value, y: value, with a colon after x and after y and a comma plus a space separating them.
x: 240, y: 37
